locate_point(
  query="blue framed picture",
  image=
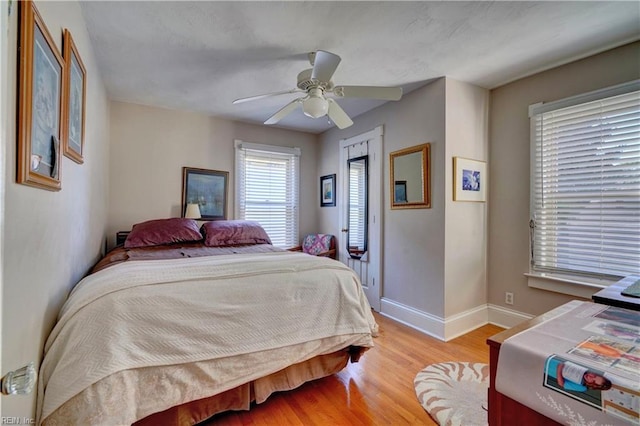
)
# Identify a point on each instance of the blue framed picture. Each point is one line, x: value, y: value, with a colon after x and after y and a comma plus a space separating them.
x: 400, y: 191
x: 470, y: 180
x: 328, y: 191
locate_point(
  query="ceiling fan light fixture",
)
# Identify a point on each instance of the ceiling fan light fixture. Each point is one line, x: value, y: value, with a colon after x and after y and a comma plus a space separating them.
x: 315, y: 105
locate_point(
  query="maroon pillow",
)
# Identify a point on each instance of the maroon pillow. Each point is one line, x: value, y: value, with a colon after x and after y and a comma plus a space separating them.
x: 163, y: 231
x: 233, y: 232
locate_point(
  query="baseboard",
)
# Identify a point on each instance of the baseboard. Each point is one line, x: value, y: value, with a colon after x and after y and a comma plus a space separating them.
x: 464, y: 322
x: 454, y: 326
x: 506, y: 318
x: 429, y: 324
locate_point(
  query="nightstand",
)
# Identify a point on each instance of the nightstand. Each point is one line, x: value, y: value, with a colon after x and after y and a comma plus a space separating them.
x: 121, y: 236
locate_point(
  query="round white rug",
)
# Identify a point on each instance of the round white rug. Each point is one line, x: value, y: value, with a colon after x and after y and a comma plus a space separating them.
x: 454, y: 393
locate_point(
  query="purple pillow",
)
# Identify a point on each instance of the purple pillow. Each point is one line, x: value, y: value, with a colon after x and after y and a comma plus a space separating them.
x: 233, y: 232
x: 163, y: 231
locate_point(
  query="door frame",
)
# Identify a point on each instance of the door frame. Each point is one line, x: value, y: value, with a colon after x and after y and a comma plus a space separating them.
x: 373, y: 257
x: 5, y: 27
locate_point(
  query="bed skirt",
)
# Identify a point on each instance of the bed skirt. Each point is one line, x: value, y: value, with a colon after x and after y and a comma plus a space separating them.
x: 241, y: 397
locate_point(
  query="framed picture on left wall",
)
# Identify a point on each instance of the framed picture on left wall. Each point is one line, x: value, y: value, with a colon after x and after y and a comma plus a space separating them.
x: 41, y: 97
x: 75, y: 84
x: 206, y: 188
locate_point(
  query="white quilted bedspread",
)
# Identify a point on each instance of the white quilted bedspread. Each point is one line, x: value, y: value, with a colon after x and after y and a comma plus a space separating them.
x: 166, y: 312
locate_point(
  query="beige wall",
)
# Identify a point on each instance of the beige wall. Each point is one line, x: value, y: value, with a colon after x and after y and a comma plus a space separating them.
x: 434, y: 260
x: 509, y: 166
x: 149, y: 147
x: 50, y: 239
x: 413, y: 239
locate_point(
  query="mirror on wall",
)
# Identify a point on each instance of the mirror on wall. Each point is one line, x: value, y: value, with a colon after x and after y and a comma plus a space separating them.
x: 358, y: 207
x: 410, y: 177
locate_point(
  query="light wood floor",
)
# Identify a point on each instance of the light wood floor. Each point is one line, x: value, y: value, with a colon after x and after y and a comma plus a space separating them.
x: 377, y: 390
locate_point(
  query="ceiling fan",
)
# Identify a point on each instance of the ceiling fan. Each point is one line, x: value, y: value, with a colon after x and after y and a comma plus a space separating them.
x: 316, y: 83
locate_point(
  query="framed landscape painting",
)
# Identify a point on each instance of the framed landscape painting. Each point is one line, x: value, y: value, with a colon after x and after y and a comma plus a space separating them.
x: 40, y: 103
x: 206, y: 188
x: 75, y: 82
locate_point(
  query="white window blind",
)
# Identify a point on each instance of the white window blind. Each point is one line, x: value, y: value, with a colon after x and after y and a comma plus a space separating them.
x: 267, y: 189
x: 585, y: 195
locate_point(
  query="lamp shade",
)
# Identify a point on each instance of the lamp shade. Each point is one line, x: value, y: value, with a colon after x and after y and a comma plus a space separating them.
x: 192, y: 211
x: 315, y: 107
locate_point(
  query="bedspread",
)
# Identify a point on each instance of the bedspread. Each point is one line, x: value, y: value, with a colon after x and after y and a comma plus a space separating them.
x: 166, y: 312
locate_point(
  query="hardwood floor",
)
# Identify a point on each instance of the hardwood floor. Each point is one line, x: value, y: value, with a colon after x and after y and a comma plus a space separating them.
x: 377, y: 390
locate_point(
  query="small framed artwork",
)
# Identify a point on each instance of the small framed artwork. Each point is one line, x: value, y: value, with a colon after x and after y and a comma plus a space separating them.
x: 328, y: 190
x: 469, y: 180
x: 41, y: 97
x: 400, y: 191
x: 206, y: 188
x: 75, y: 83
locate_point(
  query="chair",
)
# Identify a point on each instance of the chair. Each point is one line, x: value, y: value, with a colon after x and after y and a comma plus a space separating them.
x: 318, y: 245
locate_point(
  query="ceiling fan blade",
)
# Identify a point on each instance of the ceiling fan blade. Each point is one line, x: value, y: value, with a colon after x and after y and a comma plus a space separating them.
x: 286, y: 110
x: 255, y: 98
x: 324, y: 65
x: 337, y: 115
x: 372, y: 92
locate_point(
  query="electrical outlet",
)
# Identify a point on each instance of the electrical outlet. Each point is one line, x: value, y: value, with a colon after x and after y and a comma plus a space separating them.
x: 508, y: 298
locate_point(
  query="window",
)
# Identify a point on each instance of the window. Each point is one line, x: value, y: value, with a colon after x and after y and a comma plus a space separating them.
x: 267, y: 189
x: 585, y: 194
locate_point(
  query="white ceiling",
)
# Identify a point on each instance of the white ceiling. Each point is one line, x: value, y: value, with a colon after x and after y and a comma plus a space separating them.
x: 201, y: 55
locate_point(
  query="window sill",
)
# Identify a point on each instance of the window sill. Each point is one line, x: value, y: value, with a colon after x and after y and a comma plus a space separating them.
x: 566, y: 284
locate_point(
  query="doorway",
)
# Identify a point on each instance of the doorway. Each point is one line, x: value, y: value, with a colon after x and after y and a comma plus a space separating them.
x: 366, y: 263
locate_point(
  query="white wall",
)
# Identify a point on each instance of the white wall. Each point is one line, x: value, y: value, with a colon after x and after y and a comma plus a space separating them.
x: 149, y: 147
x: 509, y: 166
x: 467, y: 124
x: 50, y: 238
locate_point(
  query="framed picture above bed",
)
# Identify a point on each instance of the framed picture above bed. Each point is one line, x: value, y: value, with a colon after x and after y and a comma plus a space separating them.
x: 41, y: 93
x: 206, y: 188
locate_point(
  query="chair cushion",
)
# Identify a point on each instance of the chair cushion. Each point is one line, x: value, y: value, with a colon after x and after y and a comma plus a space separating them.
x: 316, y: 243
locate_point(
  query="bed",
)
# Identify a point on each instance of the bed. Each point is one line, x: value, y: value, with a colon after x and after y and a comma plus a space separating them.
x: 182, y: 323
